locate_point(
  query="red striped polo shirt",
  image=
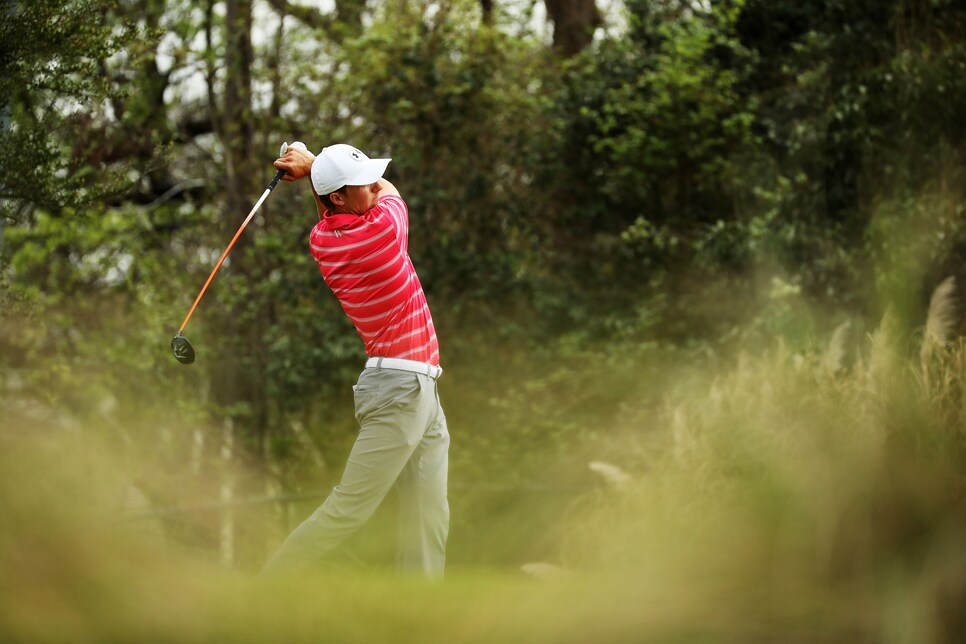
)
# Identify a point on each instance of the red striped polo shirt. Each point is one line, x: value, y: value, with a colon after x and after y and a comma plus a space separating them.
x: 364, y: 259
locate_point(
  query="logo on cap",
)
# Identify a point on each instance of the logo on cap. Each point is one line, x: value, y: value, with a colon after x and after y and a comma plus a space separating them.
x: 355, y: 154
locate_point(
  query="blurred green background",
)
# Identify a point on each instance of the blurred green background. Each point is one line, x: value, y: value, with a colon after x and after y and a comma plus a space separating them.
x: 693, y: 266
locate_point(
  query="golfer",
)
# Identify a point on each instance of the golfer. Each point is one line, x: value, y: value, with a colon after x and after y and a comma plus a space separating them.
x: 360, y: 245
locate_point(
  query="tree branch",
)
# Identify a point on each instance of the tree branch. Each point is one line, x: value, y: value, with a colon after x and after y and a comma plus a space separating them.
x: 307, y: 15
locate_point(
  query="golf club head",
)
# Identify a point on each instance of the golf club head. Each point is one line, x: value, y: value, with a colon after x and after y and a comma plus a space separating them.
x: 182, y: 349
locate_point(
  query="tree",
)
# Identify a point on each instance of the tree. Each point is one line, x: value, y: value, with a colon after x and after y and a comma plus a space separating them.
x: 857, y: 112
x: 574, y: 22
x: 658, y: 124
x: 50, y: 86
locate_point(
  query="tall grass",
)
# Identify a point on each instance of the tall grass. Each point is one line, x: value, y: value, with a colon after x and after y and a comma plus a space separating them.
x: 785, y: 496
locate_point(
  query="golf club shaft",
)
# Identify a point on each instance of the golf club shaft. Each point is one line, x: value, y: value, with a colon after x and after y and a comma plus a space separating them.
x: 230, y: 244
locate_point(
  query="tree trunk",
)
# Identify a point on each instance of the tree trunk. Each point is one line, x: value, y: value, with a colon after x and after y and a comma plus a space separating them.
x: 574, y: 22
x: 236, y: 383
x: 237, y: 123
x: 486, y: 6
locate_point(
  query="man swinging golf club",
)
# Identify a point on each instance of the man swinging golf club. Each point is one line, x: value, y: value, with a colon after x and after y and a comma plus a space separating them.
x: 360, y: 245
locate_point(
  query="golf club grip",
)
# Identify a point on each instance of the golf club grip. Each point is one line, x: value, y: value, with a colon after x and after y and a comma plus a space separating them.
x: 278, y: 176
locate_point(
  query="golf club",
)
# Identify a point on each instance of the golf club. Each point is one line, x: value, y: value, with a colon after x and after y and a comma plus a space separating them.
x: 182, y: 349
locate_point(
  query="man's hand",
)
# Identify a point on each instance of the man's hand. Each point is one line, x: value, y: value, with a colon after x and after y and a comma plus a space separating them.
x: 297, y: 162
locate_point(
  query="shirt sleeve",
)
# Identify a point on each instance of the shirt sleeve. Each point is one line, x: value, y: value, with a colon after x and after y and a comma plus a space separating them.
x: 398, y: 212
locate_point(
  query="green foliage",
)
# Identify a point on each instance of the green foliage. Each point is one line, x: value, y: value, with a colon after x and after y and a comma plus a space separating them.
x: 52, y: 83
x: 648, y: 178
x: 54, y: 46
x: 855, y: 105
x: 668, y: 114
x: 624, y: 195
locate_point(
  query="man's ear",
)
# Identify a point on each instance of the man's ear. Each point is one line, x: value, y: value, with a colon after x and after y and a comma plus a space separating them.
x: 337, y: 198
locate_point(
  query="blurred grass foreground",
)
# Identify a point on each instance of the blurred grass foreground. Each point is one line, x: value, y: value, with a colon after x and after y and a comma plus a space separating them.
x: 786, y: 496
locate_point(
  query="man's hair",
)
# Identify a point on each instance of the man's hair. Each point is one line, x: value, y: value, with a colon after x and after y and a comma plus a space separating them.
x: 327, y: 199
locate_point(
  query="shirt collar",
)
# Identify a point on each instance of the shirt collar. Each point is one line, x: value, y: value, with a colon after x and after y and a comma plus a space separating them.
x: 341, y: 220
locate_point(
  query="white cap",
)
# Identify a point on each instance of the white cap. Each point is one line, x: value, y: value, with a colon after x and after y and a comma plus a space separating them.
x: 343, y: 165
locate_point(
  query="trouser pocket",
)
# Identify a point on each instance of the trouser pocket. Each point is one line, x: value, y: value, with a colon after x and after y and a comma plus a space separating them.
x: 381, y: 390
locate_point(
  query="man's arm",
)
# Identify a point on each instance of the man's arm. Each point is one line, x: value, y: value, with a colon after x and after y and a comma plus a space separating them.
x: 386, y: 189
x: 297, y: 163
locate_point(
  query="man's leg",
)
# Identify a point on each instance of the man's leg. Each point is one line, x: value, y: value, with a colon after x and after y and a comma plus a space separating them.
x: 393, y: 409
x: 423, y: 507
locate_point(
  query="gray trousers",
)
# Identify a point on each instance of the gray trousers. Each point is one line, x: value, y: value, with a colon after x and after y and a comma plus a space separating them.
x: 403, y: 440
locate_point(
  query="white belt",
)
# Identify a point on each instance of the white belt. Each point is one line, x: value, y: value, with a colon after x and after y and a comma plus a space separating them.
x: 424, y: 368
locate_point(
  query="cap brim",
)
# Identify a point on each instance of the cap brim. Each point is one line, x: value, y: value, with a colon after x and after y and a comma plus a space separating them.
x: 372, y: 171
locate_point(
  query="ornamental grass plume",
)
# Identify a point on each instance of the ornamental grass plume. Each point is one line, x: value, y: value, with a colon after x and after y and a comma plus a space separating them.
x: 543, y: 570
x: 883, y: 353
x: 612, y: 475
x: 940, y: 321
x: 833, y: 358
